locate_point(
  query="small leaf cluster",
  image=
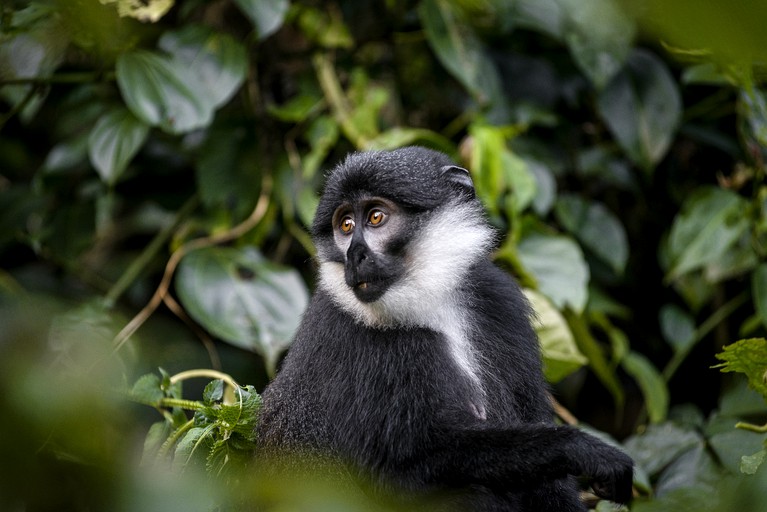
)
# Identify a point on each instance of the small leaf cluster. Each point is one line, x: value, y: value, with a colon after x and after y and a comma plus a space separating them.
x: 220, y: 437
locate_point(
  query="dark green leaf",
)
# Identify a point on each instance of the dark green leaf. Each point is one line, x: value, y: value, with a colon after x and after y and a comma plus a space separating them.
x: 213, y: 392
x: 642, y: 108
x: 651, y: 383
x: 759, y: 291
x: 266, y: 15
x: 242, y: 299
x: 161, y: 92
x: 710, y: 222
x: 660, y: 444
x: 678, y: 327
x: 461, y: 51
x: 114, y: 141
x: 599, y: 36
x: 596, y: 227
x: 215, y: 63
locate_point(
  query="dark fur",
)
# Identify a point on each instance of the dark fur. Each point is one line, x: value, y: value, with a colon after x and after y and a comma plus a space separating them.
x: 392, y: 402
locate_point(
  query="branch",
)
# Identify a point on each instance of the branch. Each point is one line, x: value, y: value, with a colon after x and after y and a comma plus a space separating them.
x: 175, y: 258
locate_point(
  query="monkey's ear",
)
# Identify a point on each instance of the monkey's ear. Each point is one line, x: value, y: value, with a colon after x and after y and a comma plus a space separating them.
x: 459, y: 176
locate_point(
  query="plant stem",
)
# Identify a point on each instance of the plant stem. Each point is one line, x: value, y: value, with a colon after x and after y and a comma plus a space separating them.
x: 149, y: 252
x: 707, y: 326
x: 760, y: 429
x: 334, y: 94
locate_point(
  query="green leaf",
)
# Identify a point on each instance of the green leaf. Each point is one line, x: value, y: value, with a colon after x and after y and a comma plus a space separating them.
x: 642, y: 108
x: 398, y: 137
x: 654, y: 389
x: 678, y: 327
x: 561, y: 356
x: 596, y: 227
x: 296, y: 109
x: 559, y: 268
x: 461, y: 52
x: 710, y: 223
x: 161, y: 92
x: 114, y: 141
x: 213, y: 392
x: 243, y: 299
x: 759, y: 291
x: 266, y: 15
x: 521, y: 181
x: 661, y: 444
x: 750, y: 463
x: 753, y: 104
x: 599, y: 36
x: 215, y: 63
x: 147, y: 390
x: 747, y: 356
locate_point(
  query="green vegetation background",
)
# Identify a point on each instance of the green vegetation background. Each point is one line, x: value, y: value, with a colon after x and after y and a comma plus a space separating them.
x: 160, y: 163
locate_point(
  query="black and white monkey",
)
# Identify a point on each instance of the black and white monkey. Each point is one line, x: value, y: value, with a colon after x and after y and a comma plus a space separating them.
x: 416, y: 361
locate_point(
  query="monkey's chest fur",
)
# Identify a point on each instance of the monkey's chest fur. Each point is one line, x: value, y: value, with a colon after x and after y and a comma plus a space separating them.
x: 375, y: 397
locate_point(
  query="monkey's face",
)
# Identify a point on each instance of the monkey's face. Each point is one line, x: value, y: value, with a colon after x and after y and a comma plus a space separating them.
x: 371, y: 233
x: 395, y: 233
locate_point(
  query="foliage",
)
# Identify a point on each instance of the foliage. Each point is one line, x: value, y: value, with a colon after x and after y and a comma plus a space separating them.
x: 162, y: 149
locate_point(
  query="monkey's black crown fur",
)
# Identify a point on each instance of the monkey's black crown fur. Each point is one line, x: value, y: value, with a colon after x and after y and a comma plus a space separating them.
x: 435, y: 383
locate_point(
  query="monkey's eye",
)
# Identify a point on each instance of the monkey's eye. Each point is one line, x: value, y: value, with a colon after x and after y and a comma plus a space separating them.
x: 347, y: 224
x: 376, y: 217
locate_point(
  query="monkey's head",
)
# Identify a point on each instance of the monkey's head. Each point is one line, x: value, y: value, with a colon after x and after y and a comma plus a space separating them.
x: 396, y: 231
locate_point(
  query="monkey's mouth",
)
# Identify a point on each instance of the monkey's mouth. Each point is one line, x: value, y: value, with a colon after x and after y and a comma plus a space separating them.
x: 371, y: 290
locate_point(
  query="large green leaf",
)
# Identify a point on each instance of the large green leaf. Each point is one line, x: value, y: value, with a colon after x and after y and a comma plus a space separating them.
x: 678, y: 327
x: 599, y: 36
x: 266, y: 15
x: 710, y: 223
x: 596, y: 227
x: 461, y: 52
x: 559, y: 268
x: 161, y: 92
x: 216, y: 62
x: 242, y: 298
x: 642, y: 108
x: 561, y: 356
x: 114, y: 141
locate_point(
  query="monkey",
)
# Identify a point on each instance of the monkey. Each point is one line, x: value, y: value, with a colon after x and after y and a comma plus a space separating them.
x: 416, y: 361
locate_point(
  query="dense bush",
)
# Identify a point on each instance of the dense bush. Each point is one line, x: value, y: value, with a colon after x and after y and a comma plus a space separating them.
x: 159, y: 164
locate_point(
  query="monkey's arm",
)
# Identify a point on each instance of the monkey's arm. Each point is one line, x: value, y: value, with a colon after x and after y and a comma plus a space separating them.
x: 529, y: 455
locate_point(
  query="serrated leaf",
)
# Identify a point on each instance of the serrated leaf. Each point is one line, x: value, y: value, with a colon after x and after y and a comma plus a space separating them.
x: 160, y: 92
x: 559, y: 268
x: 710, y: 223
x: 266, y: 15
x: 650, y: 381
x: 597, y: 229
x: 114, y: 141
x: 747, y: 356
x: 147, y: 390
x: 215, y: 62
x: 194, y: 445
x: 561, y: 356
x: 213, y: 392
x: 642, y: 108
x: 243, y: 299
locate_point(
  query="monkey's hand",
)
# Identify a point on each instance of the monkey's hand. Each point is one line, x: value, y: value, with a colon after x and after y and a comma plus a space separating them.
x: 611, y: 471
